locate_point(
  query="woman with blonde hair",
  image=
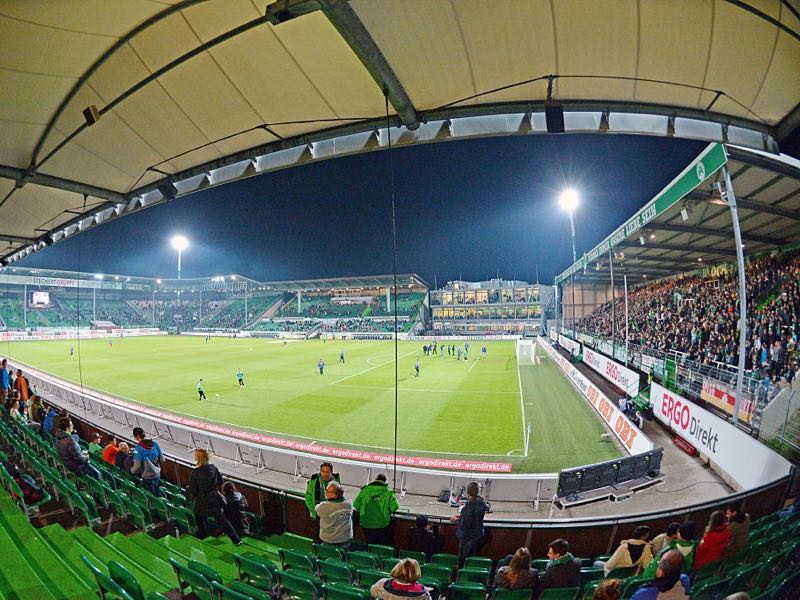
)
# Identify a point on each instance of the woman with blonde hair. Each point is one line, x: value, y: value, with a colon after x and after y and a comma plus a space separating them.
x: 204, y: 488
x: 518, y: 575
x: 403, y: 584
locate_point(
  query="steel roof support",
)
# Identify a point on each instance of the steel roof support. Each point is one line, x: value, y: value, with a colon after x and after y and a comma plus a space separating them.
x: 748, y: 204
x: 23, y: 177
x: 713, y: 232
x: 346, y: 22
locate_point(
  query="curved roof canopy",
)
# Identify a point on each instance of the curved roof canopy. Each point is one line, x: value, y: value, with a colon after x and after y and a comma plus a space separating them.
x: 109, y: 107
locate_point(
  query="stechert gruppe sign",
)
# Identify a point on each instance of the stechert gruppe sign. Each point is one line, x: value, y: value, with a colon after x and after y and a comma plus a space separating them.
x: 620, y: 375
x: 741, y: 456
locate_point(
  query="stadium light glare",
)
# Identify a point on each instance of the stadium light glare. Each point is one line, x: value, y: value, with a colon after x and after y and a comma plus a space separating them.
x: 568, y: 200
x: 158, y: 281
x: 179, y: 242
x: 98, y: 276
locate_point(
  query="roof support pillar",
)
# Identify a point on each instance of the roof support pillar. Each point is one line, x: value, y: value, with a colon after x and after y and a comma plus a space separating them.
x: 730, y: 197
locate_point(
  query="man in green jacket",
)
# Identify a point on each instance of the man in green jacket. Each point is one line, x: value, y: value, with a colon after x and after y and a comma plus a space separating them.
x: 315, y: 493
x: 375, y: 504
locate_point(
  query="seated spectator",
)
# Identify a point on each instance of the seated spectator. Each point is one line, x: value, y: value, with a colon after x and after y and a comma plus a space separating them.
x: 662, y: 541
x: 739, y: 527
x: 123, y: 458
x: 518, y: 574
x: 685, y: 543
x: 38, y: 411
x: 669, y: 583
x: 147, y: 459
x: 634, y: 552
x: 563, y: 570
x: 792, y: 510
x: 70, y: 452
x: 16, y: 415
x: 49, y: 419
x: 714, y: 541
x: 94, y: 445
x: 402, y: 585
x: 235, y: 508
x: 335, y: 516
x: 608, y: 589
x: 423, y: 537
x: 109, y: 453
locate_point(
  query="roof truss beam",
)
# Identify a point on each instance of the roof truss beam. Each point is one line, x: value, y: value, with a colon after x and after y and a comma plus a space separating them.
x: 678, y: 247
x: 748, y: 204
x: 23, y: 177
x: 677, y: 228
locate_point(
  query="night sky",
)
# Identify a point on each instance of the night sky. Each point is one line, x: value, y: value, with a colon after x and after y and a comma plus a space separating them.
x: 464, y: 208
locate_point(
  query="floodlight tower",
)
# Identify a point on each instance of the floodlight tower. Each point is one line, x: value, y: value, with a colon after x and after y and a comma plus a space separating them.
x: 180, y: 243
x: 569, y: 200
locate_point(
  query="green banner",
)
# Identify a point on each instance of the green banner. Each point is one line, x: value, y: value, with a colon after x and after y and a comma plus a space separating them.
x: 701, y: 168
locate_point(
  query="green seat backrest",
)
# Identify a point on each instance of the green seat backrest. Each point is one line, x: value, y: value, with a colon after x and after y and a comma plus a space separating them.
x: 297, y: 560
x: 631, y: 584
x: 363, y: 560
x: 205, y: 571
x: 480, y: 562
x: 466, y: 591
x: 250, y: 591
x: 417, y: 556
x: 710, y: 589
x: 540, y: 564
x: 156, y: 596
x: 560, y: 594
x: 201, y: 587
x: 105, y: 584
x: 503, y: 594
x: 387, y: 564
x: 304, y: 587
x: 335, y: 570
x: 322, y: 551
x: 473, y: 575
x: 434, y: 587
x: 449, y: 560
x: 255, y: 570
x: 621, y: 572
x: 224, y: 593
x: 366, y: 577
x: 588, y: 575
x: 125, y: 579
x: 441, y: 573
x: 382, y: 550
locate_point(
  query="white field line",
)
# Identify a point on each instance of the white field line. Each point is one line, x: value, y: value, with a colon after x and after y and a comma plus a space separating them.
x: 472, y: 366
x: 437, y: 391
x: 372, y: 367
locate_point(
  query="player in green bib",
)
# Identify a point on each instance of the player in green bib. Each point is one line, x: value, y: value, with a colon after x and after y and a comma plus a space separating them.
x: 240, y: 377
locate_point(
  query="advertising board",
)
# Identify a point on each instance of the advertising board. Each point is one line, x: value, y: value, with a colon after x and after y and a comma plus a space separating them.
x: 620, y: 375
x: 569, y: 345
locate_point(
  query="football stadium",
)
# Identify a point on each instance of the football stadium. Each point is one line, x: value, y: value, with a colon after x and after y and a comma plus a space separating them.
x: 310, y: 388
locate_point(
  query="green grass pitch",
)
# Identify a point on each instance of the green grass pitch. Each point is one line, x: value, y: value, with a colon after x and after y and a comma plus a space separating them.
x: 454, y: 409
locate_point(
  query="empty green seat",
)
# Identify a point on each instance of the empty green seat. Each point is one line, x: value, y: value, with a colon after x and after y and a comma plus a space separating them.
x: 323, y: 551
x: 106, y: 585
x: 223, y: 593
x: 441, y: 573
x: 449, y: 560
x: 257, y: 571
x: 297, y: 585
x: 622, y: 572
x: 417, y: 556
x: 588, y: 575
x: 125, y: 579
x: 503, y: 594
x: 710, y: 589
x: 333, y: 570
x: 188, y: 579
x: 366, y: 577
x: 480, y: 562
x: 250, y: 591
x: 382, y: 550
x: 466, y: 591
x: 473, y: 575
x: 292, y: 559
x: 387, y: 564
x: 363, y: 560
x: 340, y: 591
x: 204, y: 570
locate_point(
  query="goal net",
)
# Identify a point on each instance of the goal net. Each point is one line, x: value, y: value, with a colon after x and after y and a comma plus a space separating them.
x: 526, y: 353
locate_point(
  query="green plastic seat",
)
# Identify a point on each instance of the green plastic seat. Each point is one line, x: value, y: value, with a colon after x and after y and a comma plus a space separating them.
x: 631, y: 584
x: 257, y: 571
x: 292, y: 559
x: 366, y: 577
x: 466, y: 591
x: 473, y: 575
x: 125, y: 580
x: 323, y: 551
x: 387, y: 564
x: 339, y: 591
x: 156, y: 596
x: 333, y: 570
x: 301, y: 587
x: 560, y: 593
x: 449, y: 560
x: 710, y: 589
x: 540, y: 564
x: 363, y: 560
x: 588, y: 575
x: 106, y: 585
x: 480, y: 562
x: 417, y: 556
x: 223, y: 593
x: 188, y: 579
x: 138, y: 515
x: 622, y: 573
x: 382, y: 550
x: 184, y: 519
x: 708, y: 570
x: 204, y: 570
x: 358, y: 546
x: 250, y: 591
x: 440, y: 573
x: 742, y: 577
x: 433, y: 586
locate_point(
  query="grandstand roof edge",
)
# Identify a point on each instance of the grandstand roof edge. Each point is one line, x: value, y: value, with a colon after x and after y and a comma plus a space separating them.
x: 705, y: 165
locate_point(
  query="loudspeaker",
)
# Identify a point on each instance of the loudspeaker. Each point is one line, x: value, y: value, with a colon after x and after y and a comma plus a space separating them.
x: 554, y: 115
x: 91, y: 114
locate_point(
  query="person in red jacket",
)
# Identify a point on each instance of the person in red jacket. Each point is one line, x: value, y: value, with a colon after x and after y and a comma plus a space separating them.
x: 714, y: 541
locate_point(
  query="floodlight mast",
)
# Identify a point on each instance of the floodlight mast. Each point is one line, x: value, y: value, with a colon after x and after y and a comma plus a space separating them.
x: 180, y: 243
x: 569, y: 200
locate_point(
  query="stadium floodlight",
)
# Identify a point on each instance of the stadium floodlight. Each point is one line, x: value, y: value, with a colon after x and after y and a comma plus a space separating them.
x: 569, y: 202
x: 98, y: 276
x: 180, y: 243
x: 158, y: 281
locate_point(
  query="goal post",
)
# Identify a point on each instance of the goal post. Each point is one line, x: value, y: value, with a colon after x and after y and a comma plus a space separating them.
x: 526, y: 352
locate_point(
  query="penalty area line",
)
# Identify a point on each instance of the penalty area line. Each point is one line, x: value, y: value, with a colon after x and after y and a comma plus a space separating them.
x: 371, y: 368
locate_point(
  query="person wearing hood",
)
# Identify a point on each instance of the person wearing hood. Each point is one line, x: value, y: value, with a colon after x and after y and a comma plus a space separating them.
x: 147, y: 459
x: 236, y: 509
x: 739, y: 526
x: 49, y: 419
x: 669, y: 583
x: 563, y: 570
x: 375, y: 504
x: 70, y: 452
x: 469, y: 524
x: 634, y: 552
